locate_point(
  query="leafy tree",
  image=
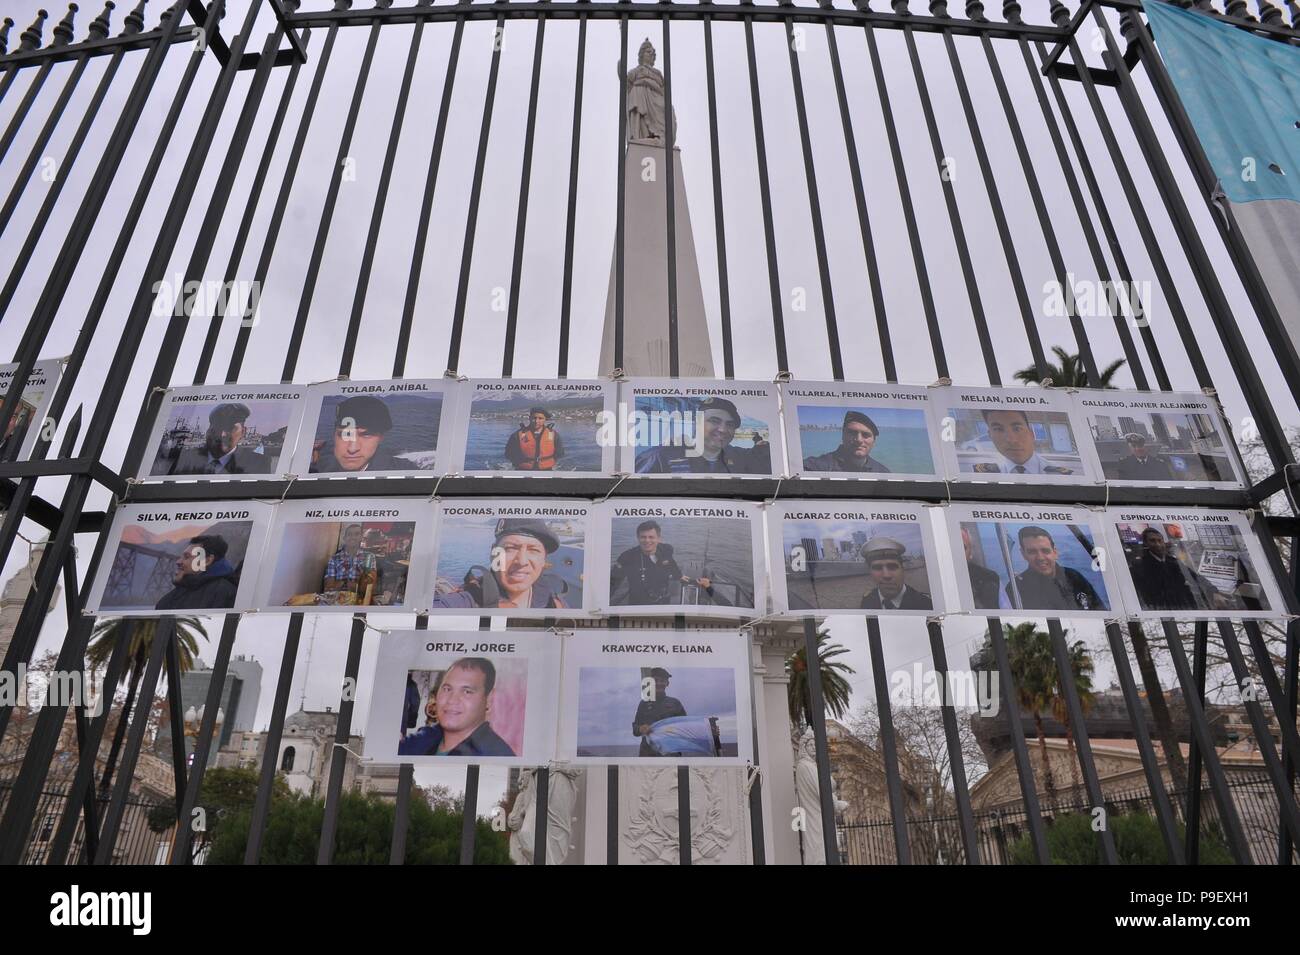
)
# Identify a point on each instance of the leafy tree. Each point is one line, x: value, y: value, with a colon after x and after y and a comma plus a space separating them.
x: 364, y: 835
x: 835, y: 688
x: 140, y: 633
x: 225, y: 793
x: 1070, y: 372
x: 1071, y: 841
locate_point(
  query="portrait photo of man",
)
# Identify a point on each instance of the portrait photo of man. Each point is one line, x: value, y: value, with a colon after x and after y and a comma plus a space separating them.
x: 647, y: 574
x: 223, y: 450
x: 1163, y: 582
x: 516, y: 573
x: 1141, y: 464
x: 460, y: 705
x: 1016, y: 444
x: 1046, y: 584
x: 888, y: 589
x: 535, y: 445
x: 203, y: 578
x: 858, y: 436
x: 717, y: 421
x: 660, y: 707
x: 361, y: 424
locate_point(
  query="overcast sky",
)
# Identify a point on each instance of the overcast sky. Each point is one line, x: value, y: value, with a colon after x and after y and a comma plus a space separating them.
x: 481, y: 356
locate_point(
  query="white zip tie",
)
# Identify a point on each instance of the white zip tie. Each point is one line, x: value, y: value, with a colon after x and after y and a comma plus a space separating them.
x: 290, y: 478
x: 563, y: 631
x: 454, y: 376
x: 753, y: 774
x: 940, y: 383
x: 783, y: 377
x: 618, y: 374
x: 379, y: 630
x: 776, y: 493
x: 437, y: 484
x: 622, y: 476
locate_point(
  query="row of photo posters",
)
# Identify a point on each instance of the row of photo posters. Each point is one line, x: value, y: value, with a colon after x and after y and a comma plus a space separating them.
x: 590, y: 697
x: 673, y: 427
x: 567, y: 558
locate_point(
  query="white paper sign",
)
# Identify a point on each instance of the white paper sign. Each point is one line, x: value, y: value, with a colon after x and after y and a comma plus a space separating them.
x: 638, y: 696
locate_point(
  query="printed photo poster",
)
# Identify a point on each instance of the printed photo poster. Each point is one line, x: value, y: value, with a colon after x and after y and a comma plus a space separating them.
x: 1015, y: 435
x: 1192, y: 563
x: 854, y: 557
x: 341, y: 555
x: 873, y: 432
x: 679, y: 555
x: 676, y: 426
x: 192, y: 558
x: 1158, y: 438
x: 223, y: 432
x: 377, y: 428
x: 475, y: 696
x: 1021, y: 558
x: 521, y: 426
x: 518, y: 558
x: 24, y: 425
x: 632, y: 696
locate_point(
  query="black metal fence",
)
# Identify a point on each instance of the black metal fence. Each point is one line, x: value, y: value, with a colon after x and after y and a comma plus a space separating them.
x: 1066, y: 154
x: 138, y: 843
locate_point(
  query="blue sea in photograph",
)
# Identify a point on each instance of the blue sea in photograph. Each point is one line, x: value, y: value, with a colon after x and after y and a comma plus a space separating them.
x: 903, y: 445
x: 1073, y: 553
x: 416, y: 418
x: 486, y: 444
x: 466, y: 542
x: 608, y: 698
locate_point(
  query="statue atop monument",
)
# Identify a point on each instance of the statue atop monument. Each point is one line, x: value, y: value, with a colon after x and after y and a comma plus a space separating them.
x: 645, y: 99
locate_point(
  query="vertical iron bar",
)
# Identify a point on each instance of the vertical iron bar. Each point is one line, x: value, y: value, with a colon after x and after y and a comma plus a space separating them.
x: 1291, y: 664
x: 684, y: 815
x: 24, y: 107
x: 566, y: 291
x: 670, y: 195
x: 274, y: 733
x: 719, y: 226
x: 542, y: 779
x: 1192, y: 835
x: 469, y: 816
x: 952, y: 736
x: 1228, y: 816
x: 620, y: 205
x: 476, y: 191
x: 401, y: 810
x: 817, y: 713
x: 1024, y: 767
x: 888, y: 745
x: 176, y: 714
x: 1142, y: 736
x: 181, y: 854
x: 339, y: 753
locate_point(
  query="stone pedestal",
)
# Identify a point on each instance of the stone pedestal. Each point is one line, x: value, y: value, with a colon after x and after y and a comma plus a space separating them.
x: 645, y: 298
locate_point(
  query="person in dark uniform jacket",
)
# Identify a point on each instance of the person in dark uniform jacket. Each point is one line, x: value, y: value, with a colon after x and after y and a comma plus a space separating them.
x: 716, y: 422
x: 1014, y: 439
x: 985, y: 584
x: 648, y: 571
x: 361, y: 423
x: 858, y: 436
x: 203, y: 579
x: 1046, y: 584
x: 884, y: 557
x: 650, y: 712
x: 464, y: 703
x: 1163, y: 582
x: 222, y: 452
x: 1141, y: 464
x: 521, y: 550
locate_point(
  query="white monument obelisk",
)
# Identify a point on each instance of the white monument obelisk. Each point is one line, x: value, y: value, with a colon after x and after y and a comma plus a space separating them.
x: 645, y: 237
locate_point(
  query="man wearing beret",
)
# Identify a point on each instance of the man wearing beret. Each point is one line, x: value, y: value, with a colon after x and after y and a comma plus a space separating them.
x: 716, y: 422
x: 660, y: 706
x: 535, y: 446
x: 514, y: 580
x: 857, y: 439
x: 884, y: 558
x: 222, y: 452
x: 360, y: 425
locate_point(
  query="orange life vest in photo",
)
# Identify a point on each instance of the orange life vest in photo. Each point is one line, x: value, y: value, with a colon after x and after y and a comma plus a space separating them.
x: 537, y: 458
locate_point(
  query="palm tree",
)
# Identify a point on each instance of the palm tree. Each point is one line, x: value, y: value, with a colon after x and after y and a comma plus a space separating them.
x: 140, y: 634
x: 835, y: 688
x: 1039, y: 688
x: 1070, y: 373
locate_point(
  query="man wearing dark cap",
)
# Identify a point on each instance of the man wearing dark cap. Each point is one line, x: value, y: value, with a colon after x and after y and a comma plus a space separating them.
x: 648, y: 572
x: 655, y: 705
x: 716, y: 421
x: 222, y: 451
x: 203, y: 578
x: 884, y: 558
x: 857, y: 439
x: 535, y: 446
x: 1140, y: 464
x: 515, y: 578
x: 360, y: 426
